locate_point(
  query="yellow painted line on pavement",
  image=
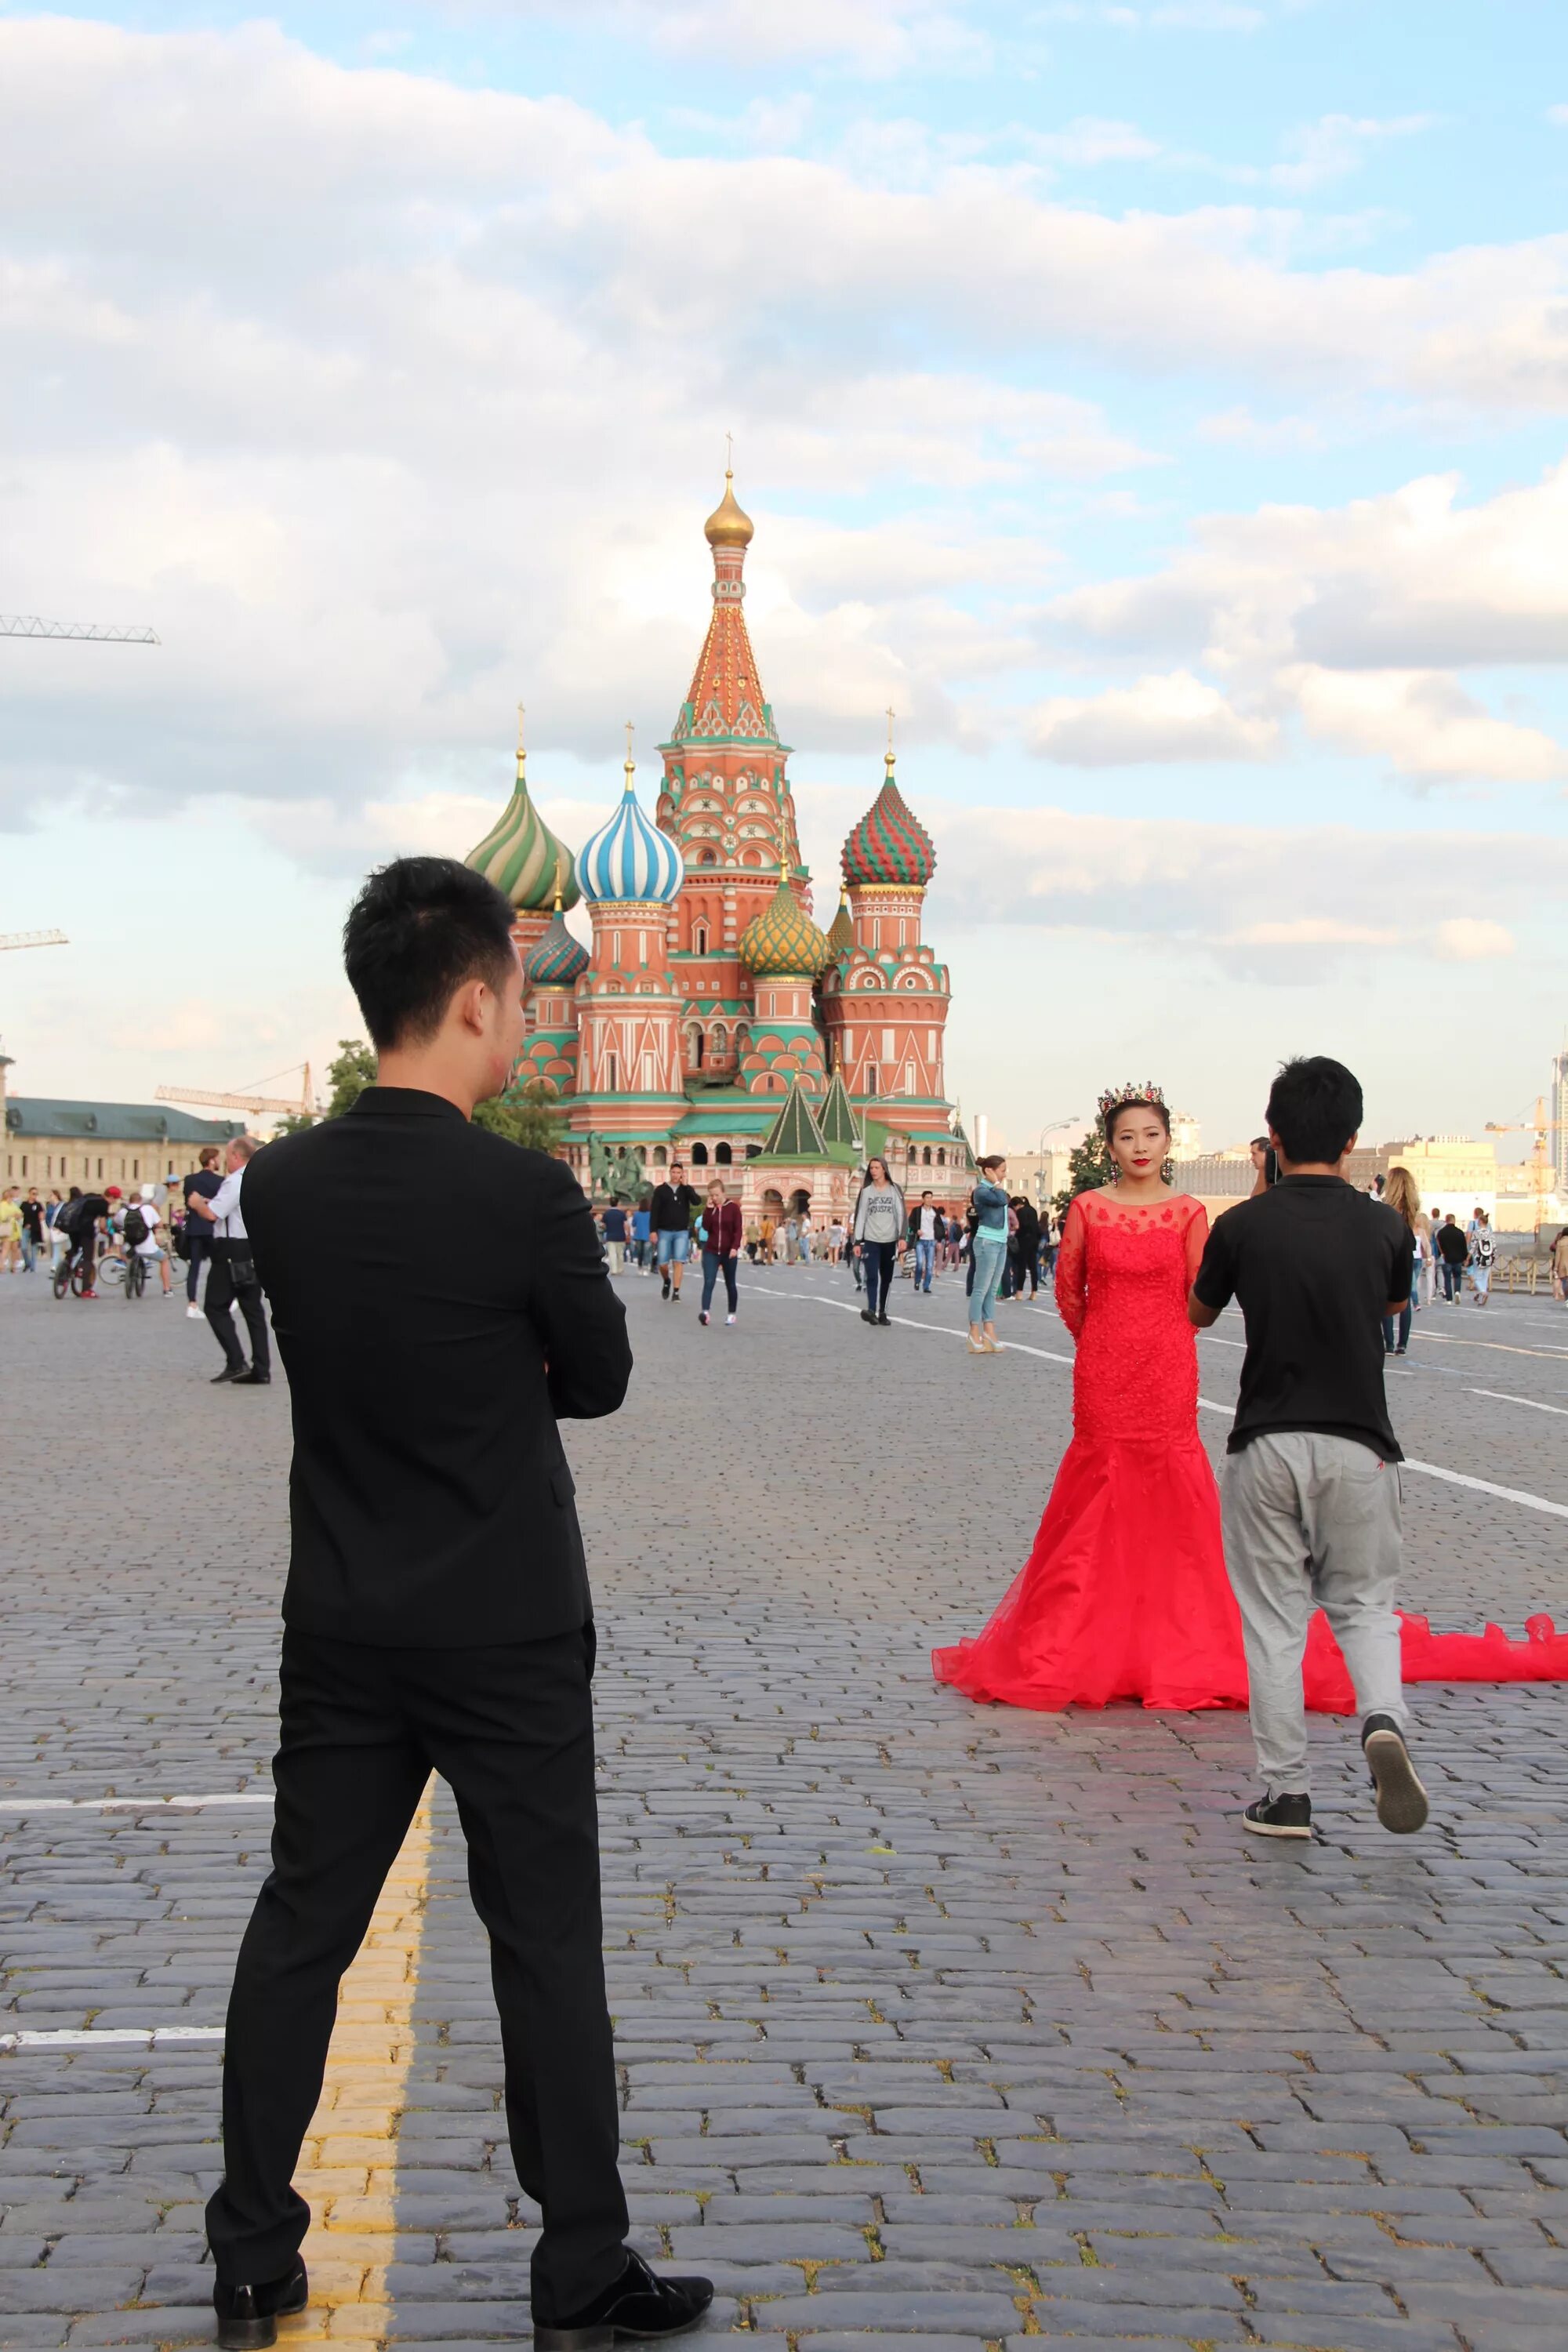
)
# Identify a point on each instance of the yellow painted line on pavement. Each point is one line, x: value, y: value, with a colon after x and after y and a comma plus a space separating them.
x: 348, y: 2168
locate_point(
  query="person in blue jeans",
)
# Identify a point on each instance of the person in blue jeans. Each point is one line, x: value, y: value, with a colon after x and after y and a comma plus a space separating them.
x: 989, y: 1249
x: 876, y: 1232
x: 925, y: 1232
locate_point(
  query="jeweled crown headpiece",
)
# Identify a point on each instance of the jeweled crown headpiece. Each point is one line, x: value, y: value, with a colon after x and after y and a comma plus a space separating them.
x: 1134, y: 1091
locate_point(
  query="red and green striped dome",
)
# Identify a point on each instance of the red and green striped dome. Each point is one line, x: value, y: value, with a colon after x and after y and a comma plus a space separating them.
x: 890, y: 846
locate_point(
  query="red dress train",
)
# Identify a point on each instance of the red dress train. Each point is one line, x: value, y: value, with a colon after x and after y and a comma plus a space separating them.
x: 1125, y: 1595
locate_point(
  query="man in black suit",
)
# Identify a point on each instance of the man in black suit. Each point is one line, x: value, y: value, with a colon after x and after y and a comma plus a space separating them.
x: 436, y: 1613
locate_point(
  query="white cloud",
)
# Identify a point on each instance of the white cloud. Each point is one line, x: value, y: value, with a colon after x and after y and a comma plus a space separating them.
x: 1090, y: 139
x: 1467, y: 940
x: 875, y: 36
x: 1266, y: 903
x: 1336, y: 145
x: 1161, y: 718
x: 1426, y: 724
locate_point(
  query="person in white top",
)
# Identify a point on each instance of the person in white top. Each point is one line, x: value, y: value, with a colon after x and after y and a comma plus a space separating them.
x: 233, y: 1276
x: 152, y: 1217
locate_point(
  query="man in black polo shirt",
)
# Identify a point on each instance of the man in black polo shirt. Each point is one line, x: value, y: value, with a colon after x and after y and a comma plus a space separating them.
x: 1311, y: 1487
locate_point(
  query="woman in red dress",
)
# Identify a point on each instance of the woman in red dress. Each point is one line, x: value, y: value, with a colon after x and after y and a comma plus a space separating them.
x: 1125, y: 1594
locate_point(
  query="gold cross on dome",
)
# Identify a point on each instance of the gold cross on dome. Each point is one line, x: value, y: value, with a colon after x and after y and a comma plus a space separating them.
x: 729, y: 453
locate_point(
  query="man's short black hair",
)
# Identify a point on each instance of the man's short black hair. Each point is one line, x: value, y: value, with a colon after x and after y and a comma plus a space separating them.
x: 1314, y: 1107
x: 419, y: 929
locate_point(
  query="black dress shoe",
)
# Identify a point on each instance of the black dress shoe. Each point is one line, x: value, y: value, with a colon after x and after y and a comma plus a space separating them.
x: 867, y: 1316
x: 248, y: 2316
x: 229, y: 1373
x: 253, y: 1380
x: 880, y: 1318
x: 637, y: 2304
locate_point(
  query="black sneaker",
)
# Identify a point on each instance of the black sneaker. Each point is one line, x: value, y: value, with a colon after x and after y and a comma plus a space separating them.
x: 638, y: 2304
x: 229, y: 1373
x: 248, y: 2316
x: 867, y: 1316
x: 1281, y: 1817
x: 702, y: 1315
x: 1401, y: 1798
x: 666, y: 1291
x: 880, y: 1318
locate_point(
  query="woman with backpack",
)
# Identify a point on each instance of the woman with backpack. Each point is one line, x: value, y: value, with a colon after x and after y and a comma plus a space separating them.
x: 1400, y: 1193
x: 1483, y: 1250
x: 988, y: 1247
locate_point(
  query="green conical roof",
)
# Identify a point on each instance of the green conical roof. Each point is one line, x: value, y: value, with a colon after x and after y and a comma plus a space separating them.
x: 523, y: 857
x: 836, y: 1119
x: 841, y: 930
x: 795, y: 1134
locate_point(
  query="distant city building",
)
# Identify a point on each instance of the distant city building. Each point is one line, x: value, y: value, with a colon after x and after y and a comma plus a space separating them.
x: 91, y: 1143
x: 711, y: 1020
x: 1184, y: 1135
x: 1557, y: 1111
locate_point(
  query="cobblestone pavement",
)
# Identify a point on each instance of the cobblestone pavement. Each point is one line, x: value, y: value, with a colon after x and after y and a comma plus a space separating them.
x: 936, y: 2022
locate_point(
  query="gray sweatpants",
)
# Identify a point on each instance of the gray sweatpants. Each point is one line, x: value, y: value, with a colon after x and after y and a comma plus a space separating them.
x: 1311, y: 1521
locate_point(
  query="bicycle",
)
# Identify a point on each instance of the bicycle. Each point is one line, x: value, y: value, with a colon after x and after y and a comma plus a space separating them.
x: 135, y: 1275
x: 70, y: 1273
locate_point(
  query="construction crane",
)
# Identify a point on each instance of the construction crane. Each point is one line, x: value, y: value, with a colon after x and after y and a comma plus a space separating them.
x: 90, y: 633
x: 34, y: 939
x: 250, y: 1098
x: 1543, y: 1175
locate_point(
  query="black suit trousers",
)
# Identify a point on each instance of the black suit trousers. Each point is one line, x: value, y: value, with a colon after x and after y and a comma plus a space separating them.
x: 510, y: 1729
x: 222, y: 1293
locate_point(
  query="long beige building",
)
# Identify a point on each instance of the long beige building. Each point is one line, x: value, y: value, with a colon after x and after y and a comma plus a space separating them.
x: 51, y: 1143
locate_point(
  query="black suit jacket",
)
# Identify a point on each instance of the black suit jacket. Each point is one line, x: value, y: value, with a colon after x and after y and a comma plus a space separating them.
x: 440, y: 1299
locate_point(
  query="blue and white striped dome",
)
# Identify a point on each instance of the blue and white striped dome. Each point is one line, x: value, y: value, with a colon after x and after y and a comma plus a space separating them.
x: 630, y: 857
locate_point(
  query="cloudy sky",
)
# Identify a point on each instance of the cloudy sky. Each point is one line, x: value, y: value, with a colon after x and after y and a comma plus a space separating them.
x: 1160, y: 405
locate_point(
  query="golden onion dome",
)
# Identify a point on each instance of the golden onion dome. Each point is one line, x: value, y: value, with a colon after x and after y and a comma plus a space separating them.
x: 783, y: 938
x: 728, y: 525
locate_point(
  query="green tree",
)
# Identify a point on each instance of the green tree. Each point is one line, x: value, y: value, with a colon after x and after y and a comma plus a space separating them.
x: 1089, y: 1165
x: 528, y: 1118
x: 351, y: 1070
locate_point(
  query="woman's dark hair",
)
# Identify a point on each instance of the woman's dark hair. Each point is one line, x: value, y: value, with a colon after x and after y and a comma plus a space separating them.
x: 1133, y: 1102
x: 876, y: 1160
x: 1314, y: 1107
x: 419, y: 929
x: 992, y: 1160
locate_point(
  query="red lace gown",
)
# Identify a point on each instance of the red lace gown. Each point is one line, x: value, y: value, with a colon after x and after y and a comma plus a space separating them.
x: 1125, y: 1595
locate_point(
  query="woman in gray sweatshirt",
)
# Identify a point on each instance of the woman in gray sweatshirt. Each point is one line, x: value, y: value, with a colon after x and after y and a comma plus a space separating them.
x: 878, y: 1229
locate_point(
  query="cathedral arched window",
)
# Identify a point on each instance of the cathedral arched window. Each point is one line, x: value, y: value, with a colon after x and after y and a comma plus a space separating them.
x: 925, y: 1156
x: 708, y: 857
x: 940, y: 1157
x: 717, y: 1041
x: 699, y: 939
x: 699, y: 1155
x: 694, y: 1046
x: 660, y: 1155
x: 723, y: 1156
x: 871, y: 1077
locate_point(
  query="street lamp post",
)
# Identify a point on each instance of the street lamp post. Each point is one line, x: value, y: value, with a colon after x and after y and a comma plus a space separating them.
x: 1051, y: 1126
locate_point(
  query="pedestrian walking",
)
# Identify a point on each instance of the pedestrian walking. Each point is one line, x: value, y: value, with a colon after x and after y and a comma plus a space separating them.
x: 232, y: 1277
x: 614, y: 1222
x: 642, y: 1229
x: 876, y: 1230
x: 1453, y: 1250
x: 1483, y: 1250
x: 1026, y: 1246
x: 721, y: 1248
x: 1311, y: 1494
x: 1400, y: 1195
x: 199, y: 1236
x: 1559, y: 1264
x: 673, y: 1201
x: 925, y: 1233
x: 988, y: 1252
x: 10, y: 1231
x: 437, y: 1614
x: 32, y: 1229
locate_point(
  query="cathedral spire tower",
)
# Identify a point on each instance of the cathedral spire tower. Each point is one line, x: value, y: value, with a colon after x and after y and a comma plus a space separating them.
x: 726, y: 799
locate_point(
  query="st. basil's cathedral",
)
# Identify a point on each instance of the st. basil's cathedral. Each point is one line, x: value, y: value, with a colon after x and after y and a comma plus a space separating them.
x: 712, y: 1021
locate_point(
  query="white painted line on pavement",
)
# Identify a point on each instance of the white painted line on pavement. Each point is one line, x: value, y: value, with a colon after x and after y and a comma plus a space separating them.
x: 1496, y: 1346
x: 132, y: 1804
x: 1206, y: 1405
x: 1535, y: 1406
x: 134, y: 2037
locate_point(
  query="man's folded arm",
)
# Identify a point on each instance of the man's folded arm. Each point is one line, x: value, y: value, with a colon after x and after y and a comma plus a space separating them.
x: 581, y: 1322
